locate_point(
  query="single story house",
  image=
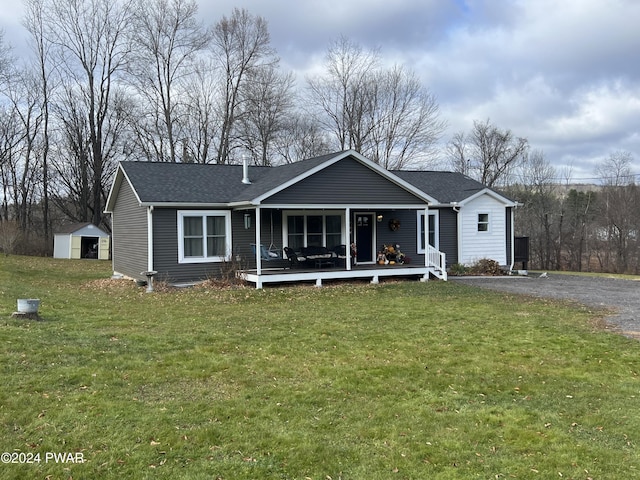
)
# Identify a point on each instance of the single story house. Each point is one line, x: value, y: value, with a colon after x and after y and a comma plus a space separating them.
x: 81, y: 240
x: 337, y: 216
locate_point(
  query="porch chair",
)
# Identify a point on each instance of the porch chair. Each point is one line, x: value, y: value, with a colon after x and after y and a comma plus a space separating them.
x: 266, y: 255
x: 294, y: 258
x: 341, y: 253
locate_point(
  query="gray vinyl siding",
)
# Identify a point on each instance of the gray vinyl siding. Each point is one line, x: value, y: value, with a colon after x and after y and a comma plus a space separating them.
x: 345, y: 183
x: 129, y: 235
x: 406, y: 236
x: 270, y: 232
x: 243, y: 238
x: 165, y: 252
x: 449, y: 235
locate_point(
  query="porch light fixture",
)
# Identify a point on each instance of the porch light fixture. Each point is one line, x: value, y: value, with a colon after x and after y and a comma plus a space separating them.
x: 379, y: 218
x: 247, y: 221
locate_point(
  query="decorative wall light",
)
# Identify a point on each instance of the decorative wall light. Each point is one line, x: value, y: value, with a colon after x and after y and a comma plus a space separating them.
x: 247, y: 221
x: 379, y: 218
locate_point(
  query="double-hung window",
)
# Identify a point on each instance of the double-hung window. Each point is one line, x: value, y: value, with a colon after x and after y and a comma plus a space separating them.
x: 204, y: 236
x: 483, y: 222
x: 317, y: 230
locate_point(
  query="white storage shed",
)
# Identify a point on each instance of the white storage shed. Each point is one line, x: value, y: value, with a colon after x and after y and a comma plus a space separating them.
x: 81, y: 240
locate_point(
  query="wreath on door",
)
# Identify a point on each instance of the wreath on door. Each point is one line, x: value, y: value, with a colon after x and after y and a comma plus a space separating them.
x: 394, y: 224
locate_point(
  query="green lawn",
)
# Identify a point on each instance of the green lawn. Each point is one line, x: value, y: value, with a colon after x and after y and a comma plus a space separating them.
x: 400, y: 380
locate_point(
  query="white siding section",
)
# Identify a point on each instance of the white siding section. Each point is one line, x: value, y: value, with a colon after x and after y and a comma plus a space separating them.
x: 62, y: 245
x: 475, y: 245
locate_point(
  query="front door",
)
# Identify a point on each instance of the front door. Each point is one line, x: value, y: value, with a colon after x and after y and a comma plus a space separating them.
x: 364, y: 236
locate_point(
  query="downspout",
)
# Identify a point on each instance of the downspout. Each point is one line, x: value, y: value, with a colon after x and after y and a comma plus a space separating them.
x: 456, y: 208
x: 150, y: 238
x: 513, y: 238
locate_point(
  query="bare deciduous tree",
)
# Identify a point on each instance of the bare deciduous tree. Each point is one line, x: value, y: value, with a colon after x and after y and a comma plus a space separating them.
x: 301, y: 137
x: 266, y: 105
x: 201, y: 125
x: 91, y: 43
x: 405, y: 123
x: 11, y: 135
x: 166, y: 40
x: 6, y: 60
x: 540, y: 216
x: 618, y: 210
x: 241, y: 44
x: 487, y: 153
x: 385, y: 114
x: 20, y: 144
x: 342, y: 96
x: 34, y: 22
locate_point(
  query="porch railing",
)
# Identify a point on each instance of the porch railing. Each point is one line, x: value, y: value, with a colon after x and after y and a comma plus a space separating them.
x: 437, y: 260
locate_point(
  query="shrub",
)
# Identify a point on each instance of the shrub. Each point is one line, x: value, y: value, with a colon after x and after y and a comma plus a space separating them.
x: 457, y: 269
x: 10, y: 235
x: 485, y: 266
x: 229, y: 271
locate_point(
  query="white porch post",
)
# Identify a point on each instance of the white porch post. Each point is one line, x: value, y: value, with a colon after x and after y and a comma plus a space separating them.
x: 347, y: 219
x: 258, y: 236
x: 426, y: 243
x: 426, y: 237
x: 150, y: 238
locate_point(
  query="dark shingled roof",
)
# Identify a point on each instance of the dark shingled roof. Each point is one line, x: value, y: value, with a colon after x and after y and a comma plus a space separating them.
x: 191, y: 183
x: 446, y: 187
x: 160, y: 182
x: 277, y: 176
x: 180, y: 183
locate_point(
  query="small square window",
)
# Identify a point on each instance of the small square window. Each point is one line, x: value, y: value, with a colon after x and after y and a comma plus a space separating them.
x: 483, y: 222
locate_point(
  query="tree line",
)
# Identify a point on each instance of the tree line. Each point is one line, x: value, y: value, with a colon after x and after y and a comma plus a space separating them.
x: 581, y: 228
x: 591, y: 227
x: 146, y: 80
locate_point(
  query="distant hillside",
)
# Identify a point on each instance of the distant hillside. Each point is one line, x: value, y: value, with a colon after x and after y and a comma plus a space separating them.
x: 561, y: 189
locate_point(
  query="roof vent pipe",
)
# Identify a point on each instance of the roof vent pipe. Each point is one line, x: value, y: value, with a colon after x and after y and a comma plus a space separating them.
x: 245, y: 170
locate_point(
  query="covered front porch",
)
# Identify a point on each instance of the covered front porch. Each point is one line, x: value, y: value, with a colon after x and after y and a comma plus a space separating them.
x: 373, y: 273
x: 357, y: 233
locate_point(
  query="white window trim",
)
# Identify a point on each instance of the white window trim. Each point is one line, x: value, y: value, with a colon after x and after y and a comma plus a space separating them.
x: 488, y: 223
x: 204, y: 214
x: 420, y: 215
x: 310, y: 213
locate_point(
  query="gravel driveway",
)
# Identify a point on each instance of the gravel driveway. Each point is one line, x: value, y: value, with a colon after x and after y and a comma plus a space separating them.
x: 621, y: 295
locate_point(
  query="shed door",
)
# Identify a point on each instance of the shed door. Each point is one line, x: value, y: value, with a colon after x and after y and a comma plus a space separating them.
x: 103, y: 248
x: 76, y: 246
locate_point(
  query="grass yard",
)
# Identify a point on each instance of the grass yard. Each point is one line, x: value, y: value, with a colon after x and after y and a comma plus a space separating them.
x: 402, y: 380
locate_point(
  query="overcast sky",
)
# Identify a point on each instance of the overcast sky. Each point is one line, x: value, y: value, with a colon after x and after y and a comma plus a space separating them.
x: 563, y: 74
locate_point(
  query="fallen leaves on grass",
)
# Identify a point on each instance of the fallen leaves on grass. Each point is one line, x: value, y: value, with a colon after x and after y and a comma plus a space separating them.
x: 109, y: 284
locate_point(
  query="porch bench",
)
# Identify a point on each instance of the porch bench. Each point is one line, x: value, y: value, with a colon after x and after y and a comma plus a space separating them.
x: 319, y: 257
x: 314, y: 257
